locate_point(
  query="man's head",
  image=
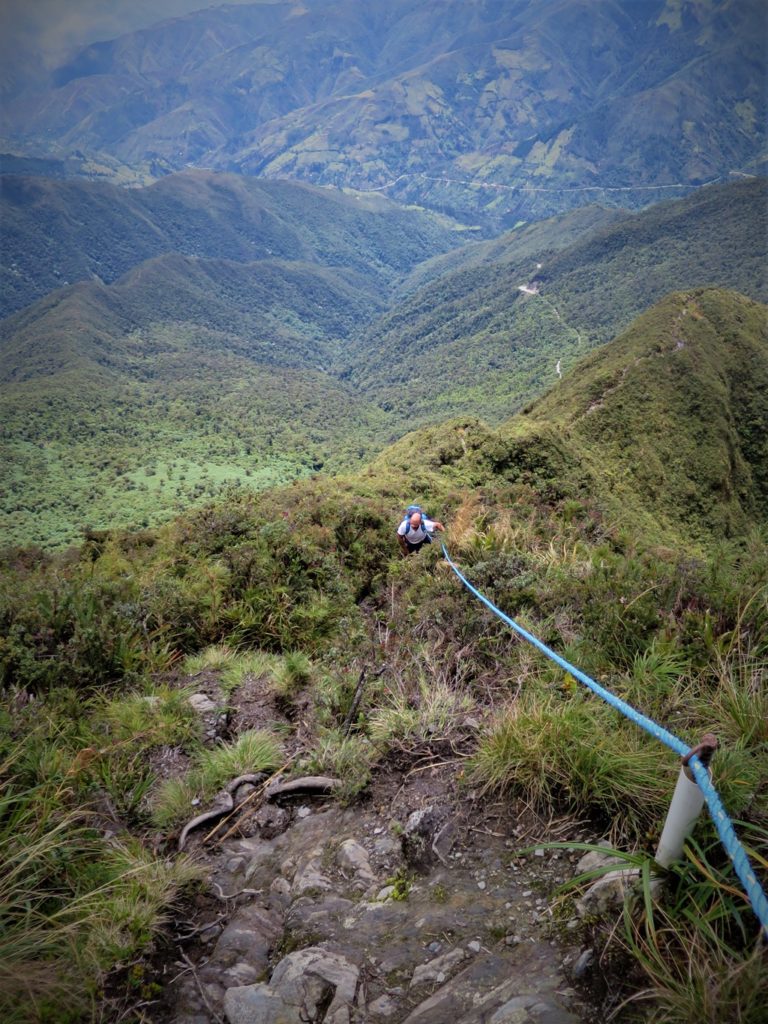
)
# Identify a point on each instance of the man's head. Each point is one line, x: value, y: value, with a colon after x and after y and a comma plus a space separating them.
x: 415, y: 519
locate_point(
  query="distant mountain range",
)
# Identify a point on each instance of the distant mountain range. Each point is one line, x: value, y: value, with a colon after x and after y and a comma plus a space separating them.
x: 124, y: 401
x: 492, y: 328
x: 485, y: 109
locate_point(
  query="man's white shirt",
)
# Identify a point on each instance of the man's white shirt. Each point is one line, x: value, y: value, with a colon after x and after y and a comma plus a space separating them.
x: 417, y: 535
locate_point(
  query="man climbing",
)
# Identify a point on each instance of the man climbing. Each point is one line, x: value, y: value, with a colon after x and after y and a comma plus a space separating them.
x: 415, y: 530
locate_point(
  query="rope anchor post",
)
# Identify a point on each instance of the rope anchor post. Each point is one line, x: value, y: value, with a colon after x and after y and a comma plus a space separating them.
x: 686, y: 805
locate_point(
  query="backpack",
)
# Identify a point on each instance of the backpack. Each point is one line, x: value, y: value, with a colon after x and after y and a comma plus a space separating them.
x: 407, y: 520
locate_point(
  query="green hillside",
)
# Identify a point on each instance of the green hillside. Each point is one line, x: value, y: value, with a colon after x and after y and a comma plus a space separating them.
x: 472, y: 341
x: 670, y: 418
x: 664, y: 429
x: 622, y: 518
x: 56, y: 232
x: 123, y: 403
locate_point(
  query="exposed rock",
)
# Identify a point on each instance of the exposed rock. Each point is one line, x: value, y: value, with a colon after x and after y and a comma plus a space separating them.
x: 514, y: 1011
x: 594, y: 859
x: 239, y: 974
x: 607, y: 893
x: 281, y: 888
x: 471, y: 997
x: 382, y: 1008
x: 258, y: 1004
x: 309, y: 877
x: 308, y: 977
x: 213, y: 717
x: 351, y: 856
x: 583, y: 963
x: 249, y: 937
x: 201, y: 703
x: 437, y: 969
x: 270, y: 820
x: 319, y: 919
x: 443, y: 841
x: 308, y: 985
x: 420, y: 830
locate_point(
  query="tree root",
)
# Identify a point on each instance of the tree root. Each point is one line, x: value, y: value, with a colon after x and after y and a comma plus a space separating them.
x: 307, y: 784
x: 225, y: 802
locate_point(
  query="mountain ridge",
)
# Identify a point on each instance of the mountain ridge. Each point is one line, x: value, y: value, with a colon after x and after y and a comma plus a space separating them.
x: 336, y: 94
x: 665, y: 429
x: 53, y: 230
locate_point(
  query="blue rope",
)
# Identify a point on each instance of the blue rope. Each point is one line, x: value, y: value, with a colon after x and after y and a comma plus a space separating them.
x: 723, y: 823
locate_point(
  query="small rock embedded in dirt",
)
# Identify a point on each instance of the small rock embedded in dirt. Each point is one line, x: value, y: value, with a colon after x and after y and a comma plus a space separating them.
x: 310, y: 984
x: 583, y: 963
x: 420, y: 830
x: 607, y: 892
x: 352, y: 857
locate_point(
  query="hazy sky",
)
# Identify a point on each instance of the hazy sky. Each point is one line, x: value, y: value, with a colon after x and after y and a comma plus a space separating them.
x: 52, y: 27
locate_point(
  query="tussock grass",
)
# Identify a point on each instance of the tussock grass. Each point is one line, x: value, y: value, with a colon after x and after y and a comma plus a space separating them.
x: 291, y: 674
x: 161, y: 715
x: 467, y: 522
x: 433, y: 712
x: 348, y: 758
x: 70, y: 905
x: 214, y: 658
x: 694, y: 949
x: 244, y: 665
x: 549, y: 750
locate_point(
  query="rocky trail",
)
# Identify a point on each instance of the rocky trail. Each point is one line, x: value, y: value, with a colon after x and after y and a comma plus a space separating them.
x: 412, y: 906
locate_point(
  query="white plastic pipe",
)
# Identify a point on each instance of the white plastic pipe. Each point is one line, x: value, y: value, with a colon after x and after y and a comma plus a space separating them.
x: 687, y: 802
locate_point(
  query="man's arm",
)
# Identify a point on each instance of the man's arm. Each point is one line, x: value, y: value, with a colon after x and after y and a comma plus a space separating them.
x: 403, y: 543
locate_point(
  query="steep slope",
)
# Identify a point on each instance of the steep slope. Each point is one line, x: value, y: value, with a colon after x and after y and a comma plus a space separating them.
x: 671, y: 419
x: 55, y: 232
x: 479, y: 107
x: 472, y: 341
x: 317, y: 649
x: 665, y: 429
